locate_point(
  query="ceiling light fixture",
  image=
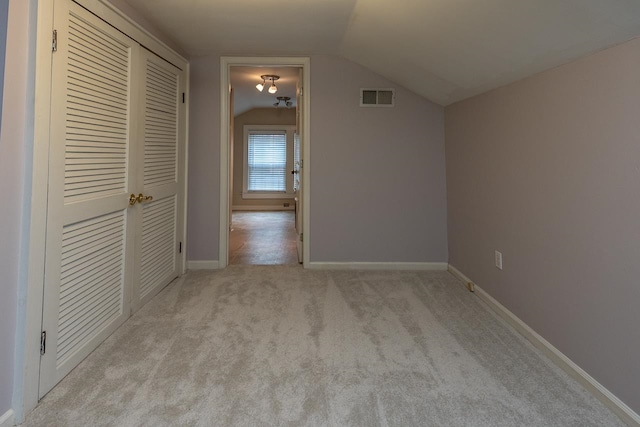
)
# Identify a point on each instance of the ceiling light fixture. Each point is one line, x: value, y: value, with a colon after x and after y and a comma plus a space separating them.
x: 273, y: 88
x: 260, y: 86
x: 285, y: 99
x: 268, y: 77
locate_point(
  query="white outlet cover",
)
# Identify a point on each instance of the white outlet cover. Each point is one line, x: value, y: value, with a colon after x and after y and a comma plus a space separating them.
x: 499, y: 260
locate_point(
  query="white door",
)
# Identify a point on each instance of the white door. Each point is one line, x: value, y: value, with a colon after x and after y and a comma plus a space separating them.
x: 159, y: 170
x: 299, y: 164
x: 89, y: 238
x: 116, y: 186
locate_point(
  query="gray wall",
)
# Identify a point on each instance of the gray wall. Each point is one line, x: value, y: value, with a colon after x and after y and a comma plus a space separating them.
x: 378, y: 188
x: 547, y: 171
x: 257, y: 116
x: 12, y: 164
x: 377, y: 175
x: 203, y: 210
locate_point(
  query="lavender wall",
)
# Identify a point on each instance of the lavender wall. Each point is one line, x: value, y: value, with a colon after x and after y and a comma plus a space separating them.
x: 378, y: 189
x: 377, y: 174
x: 203, y: 210
x: 546, y: 170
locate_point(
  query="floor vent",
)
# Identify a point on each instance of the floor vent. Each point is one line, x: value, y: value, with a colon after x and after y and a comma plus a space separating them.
x: 377, y: 97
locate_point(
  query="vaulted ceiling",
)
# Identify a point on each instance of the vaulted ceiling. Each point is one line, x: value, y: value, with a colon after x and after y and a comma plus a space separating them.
x: 444, y: 50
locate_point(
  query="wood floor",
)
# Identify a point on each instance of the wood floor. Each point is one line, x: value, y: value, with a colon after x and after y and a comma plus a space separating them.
x: 263, y: 238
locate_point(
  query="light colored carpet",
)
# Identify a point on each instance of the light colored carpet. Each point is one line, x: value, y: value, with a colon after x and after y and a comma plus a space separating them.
x: 283, y: 346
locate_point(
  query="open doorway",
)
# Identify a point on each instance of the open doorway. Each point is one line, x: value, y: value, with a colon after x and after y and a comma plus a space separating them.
x: 262, y: 174
x: 262, y: 222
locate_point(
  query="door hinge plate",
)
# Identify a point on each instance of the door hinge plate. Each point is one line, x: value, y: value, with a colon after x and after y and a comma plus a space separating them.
x: 180, y: 248
x: 54, y: 41
x: 43, y: 343
x: 302, y: 237
x: 183, y: 97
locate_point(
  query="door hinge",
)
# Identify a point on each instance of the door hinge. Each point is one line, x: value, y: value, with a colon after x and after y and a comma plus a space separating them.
x: 43, y: 343
x: 183, y: 97
x: 54, y: 41
x: 302, y: 237
x: 180, y: 248
x: 301, y: 91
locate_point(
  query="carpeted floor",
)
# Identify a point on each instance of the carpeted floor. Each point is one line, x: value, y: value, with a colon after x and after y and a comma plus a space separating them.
x: 283, y: 346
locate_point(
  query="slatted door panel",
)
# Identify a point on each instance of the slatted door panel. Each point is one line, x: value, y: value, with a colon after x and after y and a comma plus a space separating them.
x: 161, y: 124
x: 97, y: 114
x: 158, y: 244
x: 91, y: 294
x: 158, y: 254
x: 89, y: 226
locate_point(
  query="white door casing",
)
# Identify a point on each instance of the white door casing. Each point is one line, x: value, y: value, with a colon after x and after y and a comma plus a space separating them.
x: 299, y: 166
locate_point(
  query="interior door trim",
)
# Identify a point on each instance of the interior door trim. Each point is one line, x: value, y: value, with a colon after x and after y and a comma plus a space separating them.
x: 226, y: 62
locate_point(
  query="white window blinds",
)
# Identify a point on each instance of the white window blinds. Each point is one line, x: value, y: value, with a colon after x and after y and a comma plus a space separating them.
x: 267, y: 161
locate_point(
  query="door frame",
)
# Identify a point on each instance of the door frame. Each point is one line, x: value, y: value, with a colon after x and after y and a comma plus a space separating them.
x: 226, y: 62
x: 37, y: 119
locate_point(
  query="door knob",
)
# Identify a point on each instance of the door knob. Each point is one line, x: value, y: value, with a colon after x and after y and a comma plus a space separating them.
x: 142, y: 198
x: 132, y: 199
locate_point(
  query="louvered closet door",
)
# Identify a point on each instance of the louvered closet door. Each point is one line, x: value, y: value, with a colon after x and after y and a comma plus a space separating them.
x: 158, y: 259
x: 89, y: 227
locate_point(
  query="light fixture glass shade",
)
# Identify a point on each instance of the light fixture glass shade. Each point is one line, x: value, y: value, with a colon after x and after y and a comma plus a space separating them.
x: 273, y: 88
x: 260, y: 86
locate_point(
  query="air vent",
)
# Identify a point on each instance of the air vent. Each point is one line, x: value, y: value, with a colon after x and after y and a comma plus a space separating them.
x: 377, y: 97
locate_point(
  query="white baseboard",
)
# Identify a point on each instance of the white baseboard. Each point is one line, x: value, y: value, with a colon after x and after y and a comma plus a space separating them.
x: 458, y: 274
x: 238, y: 208
x: 594, y: 387
x: 439, y: 266
x: 6, y: 420
x: 203, y: 265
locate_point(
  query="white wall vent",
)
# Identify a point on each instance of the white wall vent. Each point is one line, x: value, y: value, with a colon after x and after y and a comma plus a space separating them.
x: 377, y: 97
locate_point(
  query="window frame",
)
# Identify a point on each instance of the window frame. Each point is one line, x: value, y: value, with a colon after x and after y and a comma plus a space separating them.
x: 289, y: 131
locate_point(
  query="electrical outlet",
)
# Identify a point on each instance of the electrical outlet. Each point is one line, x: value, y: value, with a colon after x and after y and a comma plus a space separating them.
x: 499, y: 260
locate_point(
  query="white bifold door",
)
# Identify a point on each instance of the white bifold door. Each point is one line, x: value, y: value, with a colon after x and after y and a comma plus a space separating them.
x: 159, y: 216
x: 115, y: 196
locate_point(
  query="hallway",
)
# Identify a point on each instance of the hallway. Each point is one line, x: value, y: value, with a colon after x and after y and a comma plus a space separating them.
x: 263, y: 238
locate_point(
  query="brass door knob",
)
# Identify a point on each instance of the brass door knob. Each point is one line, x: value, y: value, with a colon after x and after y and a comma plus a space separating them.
x: 142, y: 198
x: 132, y: 199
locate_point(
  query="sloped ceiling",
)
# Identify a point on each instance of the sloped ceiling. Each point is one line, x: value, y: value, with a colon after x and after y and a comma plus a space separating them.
x: 444, y: 50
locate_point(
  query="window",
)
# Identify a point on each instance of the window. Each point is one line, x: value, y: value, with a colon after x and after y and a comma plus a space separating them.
x: 267, y: 160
